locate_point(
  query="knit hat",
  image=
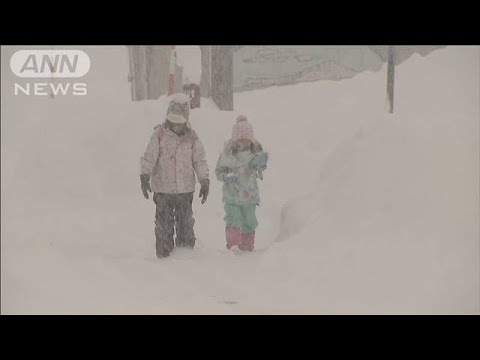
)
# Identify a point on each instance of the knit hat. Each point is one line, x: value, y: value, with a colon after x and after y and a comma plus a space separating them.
x: 178, y: 109
x: 242, y: 129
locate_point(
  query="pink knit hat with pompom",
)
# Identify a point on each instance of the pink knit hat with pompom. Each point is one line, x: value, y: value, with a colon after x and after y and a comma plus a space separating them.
x: 242, y: 129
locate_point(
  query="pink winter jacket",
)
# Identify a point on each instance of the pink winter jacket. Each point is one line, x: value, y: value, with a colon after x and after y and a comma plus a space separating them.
x: 172, y: 161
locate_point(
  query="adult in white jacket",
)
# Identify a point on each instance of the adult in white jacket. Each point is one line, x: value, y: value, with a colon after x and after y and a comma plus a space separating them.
x: 173, y: 157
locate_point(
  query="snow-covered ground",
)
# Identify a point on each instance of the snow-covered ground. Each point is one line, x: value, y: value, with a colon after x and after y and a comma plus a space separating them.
x: 362, y: 211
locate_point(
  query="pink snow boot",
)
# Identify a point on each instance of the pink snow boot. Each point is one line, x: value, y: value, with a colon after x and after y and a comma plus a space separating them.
x: 248, y: 241
x: 233, y: 236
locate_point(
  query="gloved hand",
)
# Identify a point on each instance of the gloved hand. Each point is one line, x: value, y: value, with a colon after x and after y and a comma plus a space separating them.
x: 260, y: 161
x: 145, y: 184
x: 229, y: 177
x: 205, y: 187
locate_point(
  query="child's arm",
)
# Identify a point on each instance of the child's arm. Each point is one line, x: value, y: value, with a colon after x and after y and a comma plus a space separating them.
x: 260, y: 161
x: 149, y: 158
x: 199, y: 161
x: 224, y: 173
x: 220, y: 170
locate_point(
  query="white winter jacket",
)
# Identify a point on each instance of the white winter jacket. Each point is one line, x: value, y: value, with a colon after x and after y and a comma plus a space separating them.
x: 172, y: 161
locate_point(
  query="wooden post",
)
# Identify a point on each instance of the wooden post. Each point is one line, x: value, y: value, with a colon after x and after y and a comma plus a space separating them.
x: 205, y: 80
x: 222, y: 77
x: 171, y: 75
x: 390, y: 76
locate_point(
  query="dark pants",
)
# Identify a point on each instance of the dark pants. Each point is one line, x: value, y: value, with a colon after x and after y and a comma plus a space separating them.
x: 173, y: 213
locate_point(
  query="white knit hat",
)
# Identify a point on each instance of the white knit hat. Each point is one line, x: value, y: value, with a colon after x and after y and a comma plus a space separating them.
x: 178, y: 109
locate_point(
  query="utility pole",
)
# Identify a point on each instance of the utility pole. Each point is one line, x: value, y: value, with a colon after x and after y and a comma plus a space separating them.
x: 390, y: 76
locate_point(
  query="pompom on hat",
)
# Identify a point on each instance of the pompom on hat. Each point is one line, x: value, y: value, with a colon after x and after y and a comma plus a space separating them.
x: 242, y: 129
